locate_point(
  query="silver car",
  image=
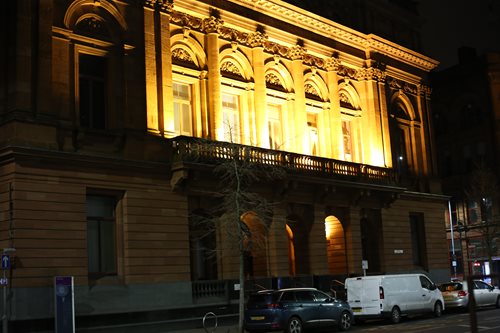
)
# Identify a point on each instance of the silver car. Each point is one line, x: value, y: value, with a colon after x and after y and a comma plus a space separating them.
x: 456, y: 294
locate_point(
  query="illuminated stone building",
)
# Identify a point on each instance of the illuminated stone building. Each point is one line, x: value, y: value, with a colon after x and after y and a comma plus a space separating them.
x: 103, y: 101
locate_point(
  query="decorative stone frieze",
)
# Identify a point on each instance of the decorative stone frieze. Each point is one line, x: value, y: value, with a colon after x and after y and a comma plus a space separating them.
x: 332, y: 64
x: 162, y: 5
x: 311, y: 90
x: 229, y: 68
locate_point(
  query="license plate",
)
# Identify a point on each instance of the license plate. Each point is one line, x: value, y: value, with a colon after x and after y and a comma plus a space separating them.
x: 258, y: 318
x: 356, y: 310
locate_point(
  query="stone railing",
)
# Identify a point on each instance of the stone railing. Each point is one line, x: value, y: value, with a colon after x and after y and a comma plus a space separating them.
x: 195, y: 150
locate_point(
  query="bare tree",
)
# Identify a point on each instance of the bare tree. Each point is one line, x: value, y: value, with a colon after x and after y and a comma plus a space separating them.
x: 483, y: 189
x: 242, y: 214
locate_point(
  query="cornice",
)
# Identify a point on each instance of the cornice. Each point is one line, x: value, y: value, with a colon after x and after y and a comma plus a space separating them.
x: 309, y: 21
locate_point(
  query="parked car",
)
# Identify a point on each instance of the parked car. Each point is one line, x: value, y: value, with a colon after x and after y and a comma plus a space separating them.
x: 392, y: 296
x: 456, y: 294
x: 294, y: 310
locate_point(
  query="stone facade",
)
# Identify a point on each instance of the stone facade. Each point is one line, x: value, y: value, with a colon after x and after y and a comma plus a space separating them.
x: 103, y: 102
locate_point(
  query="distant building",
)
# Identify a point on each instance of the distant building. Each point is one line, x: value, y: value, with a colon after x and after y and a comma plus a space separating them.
x: 466, y: 116
x: 106, y: 107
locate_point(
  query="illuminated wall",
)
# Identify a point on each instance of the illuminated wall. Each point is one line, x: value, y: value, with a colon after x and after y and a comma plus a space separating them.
x: 226, y: 77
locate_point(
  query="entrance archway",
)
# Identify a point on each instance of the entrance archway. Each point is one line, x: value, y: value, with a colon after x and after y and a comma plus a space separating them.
x: 256, y: 258
x: 336, y: 247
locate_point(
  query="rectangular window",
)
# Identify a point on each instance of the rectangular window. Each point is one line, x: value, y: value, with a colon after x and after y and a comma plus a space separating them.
x: 92, y: 91
x: 274, y: 123
x: 418, y: 244
x: 347, y: 135
x: 312, y: 125
x: 101, y: 235
x: 231, y: 118
x: 182, y: 109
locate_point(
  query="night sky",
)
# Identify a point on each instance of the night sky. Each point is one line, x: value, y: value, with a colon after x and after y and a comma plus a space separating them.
x: 450, y: 24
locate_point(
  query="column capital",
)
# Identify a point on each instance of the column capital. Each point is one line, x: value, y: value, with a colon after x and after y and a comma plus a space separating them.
x: 212, y: 25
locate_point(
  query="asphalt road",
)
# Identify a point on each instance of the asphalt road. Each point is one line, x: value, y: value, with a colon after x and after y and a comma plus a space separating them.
x: 451, y: 322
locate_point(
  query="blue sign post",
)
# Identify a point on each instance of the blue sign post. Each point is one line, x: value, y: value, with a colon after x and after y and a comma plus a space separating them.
x: 5, y: 261
x: 64, y: 304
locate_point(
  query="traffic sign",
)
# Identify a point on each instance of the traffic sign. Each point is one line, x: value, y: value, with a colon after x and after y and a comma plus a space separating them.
x: 5, y: 261
x: 4, y: 281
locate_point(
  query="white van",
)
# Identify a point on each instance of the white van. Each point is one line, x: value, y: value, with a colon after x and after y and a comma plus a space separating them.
x: 393, y: 296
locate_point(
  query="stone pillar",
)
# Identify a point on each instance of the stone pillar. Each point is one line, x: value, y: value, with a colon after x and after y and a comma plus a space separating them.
x: 261, y: 128
x: 353, y: 241
x: 300, y: 131
x: 167, y: 94
x: 278, y: 244
x: 384, y: 123
x: 336, y: 136
x: 317, y: 243
x: 373, y: 145
x: 150, y: 70
x: 211, y: 27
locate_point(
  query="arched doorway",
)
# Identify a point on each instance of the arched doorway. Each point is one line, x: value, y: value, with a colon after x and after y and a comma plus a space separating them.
x: 336, y: 246
x: 256, y: 245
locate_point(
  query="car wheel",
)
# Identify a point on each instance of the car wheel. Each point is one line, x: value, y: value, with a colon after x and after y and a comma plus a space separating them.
x: 497, y: 304
x: 294, y: 325
x: 345, y: 321
x: 438, y: 309
x: 395, y: 315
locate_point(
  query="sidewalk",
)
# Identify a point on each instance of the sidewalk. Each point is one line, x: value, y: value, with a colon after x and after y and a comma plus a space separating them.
x: 219, y: 329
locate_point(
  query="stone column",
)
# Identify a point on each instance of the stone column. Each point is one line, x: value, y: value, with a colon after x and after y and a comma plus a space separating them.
x: 300, y: 131
x: 353, y: 241
x: 211, y: 28
x: 261, y: 128
x: 150, y: 70
x: 167, y: 94
x: 278, y: 244
x: 336, y: 136
x: 318, y: 258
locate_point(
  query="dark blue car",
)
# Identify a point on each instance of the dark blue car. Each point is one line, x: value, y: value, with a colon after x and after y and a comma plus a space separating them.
x: 294, y: 310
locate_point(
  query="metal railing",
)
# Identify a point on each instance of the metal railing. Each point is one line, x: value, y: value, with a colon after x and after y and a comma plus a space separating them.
x: 196, y: 150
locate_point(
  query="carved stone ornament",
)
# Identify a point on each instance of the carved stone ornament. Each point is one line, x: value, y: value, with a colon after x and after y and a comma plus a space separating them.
x: 212, y: 25
x: 372, y: 74
x: 347, y: 72
x: 273, y: 80
x: 393, y: 83
x: 332, y: 64
x: 162, y: 5
x: 182, y: 55
x: 410, y: 89
x: 296, y: 52
x: 229, y: 68
x: 92, y: 26
x: 257, y: 39
x: 311, y: 90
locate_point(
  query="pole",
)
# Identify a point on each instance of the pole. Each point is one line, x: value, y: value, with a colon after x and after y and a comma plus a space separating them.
x: 5, y: 321
x: 454, y: 262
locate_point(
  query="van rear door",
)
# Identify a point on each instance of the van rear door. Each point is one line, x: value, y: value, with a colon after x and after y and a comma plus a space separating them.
x: 363, y: 295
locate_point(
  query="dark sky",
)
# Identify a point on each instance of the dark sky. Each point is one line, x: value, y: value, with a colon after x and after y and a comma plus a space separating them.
x: 450, y: 24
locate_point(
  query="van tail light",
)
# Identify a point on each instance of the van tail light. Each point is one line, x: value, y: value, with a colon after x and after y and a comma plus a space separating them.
x: 381, y: 292
x: 462, y: 293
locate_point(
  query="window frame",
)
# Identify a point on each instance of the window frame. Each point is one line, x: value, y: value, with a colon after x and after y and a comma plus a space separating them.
x: 117, y: 196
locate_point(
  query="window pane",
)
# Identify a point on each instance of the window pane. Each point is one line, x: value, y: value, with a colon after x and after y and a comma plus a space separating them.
x: 93, y: 246
x: 107, y: 236
x: 102, y: 206
x: 92, y: 93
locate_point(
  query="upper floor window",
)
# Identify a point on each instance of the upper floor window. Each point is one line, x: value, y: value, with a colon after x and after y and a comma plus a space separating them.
x: 347, y: 135
x: 182, y: 109
x: 274, y: 124
x: 231, y: 118
x: 312, y: 126
x: 92, y: 91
